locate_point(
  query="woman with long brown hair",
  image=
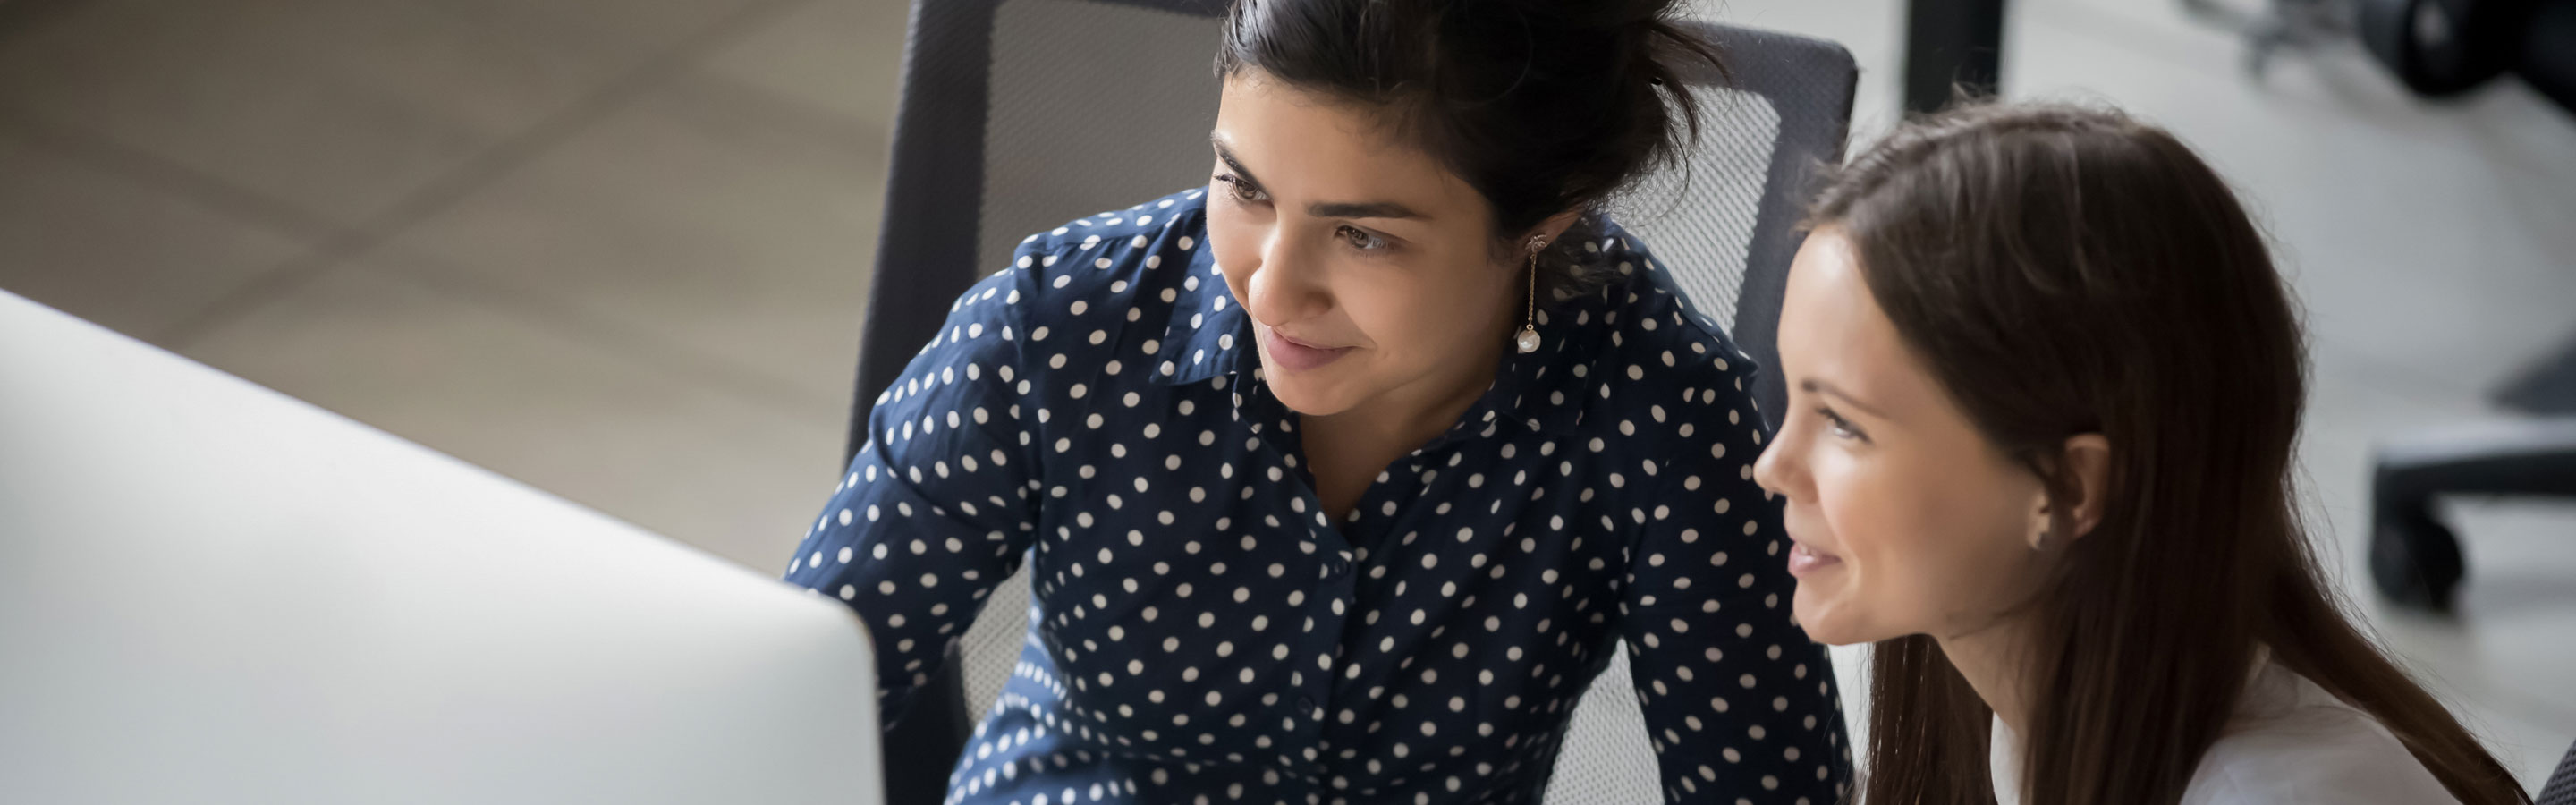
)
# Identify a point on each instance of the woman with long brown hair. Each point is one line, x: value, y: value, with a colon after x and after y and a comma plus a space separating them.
x: 2044, y: 386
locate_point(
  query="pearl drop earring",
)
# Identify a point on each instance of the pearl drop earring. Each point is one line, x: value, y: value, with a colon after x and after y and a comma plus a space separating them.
x: 1528, y: 339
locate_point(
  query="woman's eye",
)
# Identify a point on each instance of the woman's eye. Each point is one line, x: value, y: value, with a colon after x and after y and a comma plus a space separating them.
x: 1842, y: 428
x: 1243, y: 191
x: 1361, y: 240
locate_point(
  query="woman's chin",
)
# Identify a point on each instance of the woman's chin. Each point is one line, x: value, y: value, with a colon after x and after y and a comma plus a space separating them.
x: 1822, y: 618
x: 1306, y: 393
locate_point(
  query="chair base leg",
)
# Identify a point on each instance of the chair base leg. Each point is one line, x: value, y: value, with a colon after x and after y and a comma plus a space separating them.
x: 2413, y: 556
x: 922, y: 749
x: 2415, y: 560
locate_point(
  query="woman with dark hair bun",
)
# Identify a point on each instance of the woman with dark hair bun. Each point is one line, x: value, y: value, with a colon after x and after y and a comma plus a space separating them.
x: 1343, y: 472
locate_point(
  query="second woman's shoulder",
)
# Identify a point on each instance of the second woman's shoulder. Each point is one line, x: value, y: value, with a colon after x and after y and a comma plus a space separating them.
x: 2291, y: 741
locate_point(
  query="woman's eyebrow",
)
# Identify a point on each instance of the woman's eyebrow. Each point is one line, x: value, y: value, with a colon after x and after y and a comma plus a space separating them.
x: 1373, y: 209
x: 1226, y: 155
x: 1320, y: 209
x: 1814, y: 386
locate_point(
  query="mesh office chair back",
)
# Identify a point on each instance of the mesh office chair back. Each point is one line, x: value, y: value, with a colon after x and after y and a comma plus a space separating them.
x: 2560, y: 789
x: 1018, y: 115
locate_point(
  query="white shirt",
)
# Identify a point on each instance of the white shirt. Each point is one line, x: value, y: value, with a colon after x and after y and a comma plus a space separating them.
x: 2289, y: 742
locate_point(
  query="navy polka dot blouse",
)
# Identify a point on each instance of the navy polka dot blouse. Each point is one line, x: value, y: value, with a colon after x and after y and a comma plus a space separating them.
x: 1208, y: 634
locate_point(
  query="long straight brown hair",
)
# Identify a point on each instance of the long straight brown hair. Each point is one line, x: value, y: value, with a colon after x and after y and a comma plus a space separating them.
x: 2065, y: 270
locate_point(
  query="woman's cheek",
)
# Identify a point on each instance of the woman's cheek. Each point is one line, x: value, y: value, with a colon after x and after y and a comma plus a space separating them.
x: 1868, y: 519
x: 1388, y: 315
x: 1234, y: 243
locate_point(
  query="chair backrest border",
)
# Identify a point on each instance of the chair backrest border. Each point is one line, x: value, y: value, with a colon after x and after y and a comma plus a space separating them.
x: 936, y: 176
x: 1788, y: 184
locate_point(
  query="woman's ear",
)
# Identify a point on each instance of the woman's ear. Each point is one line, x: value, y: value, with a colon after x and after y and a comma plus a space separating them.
x: 1552, y: 228
x: 2086, y: 460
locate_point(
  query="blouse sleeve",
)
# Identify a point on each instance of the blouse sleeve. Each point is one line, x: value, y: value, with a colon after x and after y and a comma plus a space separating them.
x: 1739, y: 703
x: 935, y: 510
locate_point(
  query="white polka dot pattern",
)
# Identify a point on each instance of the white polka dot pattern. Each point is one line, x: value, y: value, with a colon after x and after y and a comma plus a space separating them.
x: 1204, y: 632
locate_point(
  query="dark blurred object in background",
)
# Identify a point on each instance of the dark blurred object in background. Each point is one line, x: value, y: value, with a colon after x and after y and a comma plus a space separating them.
x: 1953, y: 50
x: 2281, y: 25
x: 2437, y: 48
x: 2548, y: 388
x: 2441, y: 48
x: 2445, y: 47
x: 2548, y: 60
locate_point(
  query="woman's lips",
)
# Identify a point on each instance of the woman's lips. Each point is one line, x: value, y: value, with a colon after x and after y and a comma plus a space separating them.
x: 1804, y: 560
x: 1298, y: 356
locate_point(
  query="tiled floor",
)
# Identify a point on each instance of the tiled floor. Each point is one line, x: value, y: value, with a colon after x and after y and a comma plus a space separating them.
x: 616, y: 250
x: 619, y: 249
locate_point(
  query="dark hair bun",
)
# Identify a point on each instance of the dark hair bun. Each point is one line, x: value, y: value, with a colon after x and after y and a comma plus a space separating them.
x: 1543, y: 106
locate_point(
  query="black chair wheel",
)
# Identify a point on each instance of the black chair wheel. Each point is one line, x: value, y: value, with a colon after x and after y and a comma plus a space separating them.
x: 2441, y: 47
x: 2415, y: 560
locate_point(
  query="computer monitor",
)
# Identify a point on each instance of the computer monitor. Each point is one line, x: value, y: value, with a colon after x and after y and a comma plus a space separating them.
x: 213, y: 593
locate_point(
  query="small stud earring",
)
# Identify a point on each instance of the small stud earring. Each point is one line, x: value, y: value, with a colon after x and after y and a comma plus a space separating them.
x: 1528, y: 340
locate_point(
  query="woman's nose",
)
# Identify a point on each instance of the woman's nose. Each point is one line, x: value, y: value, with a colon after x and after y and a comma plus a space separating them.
x: 1287, y: 286
x: 1777, y: 471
